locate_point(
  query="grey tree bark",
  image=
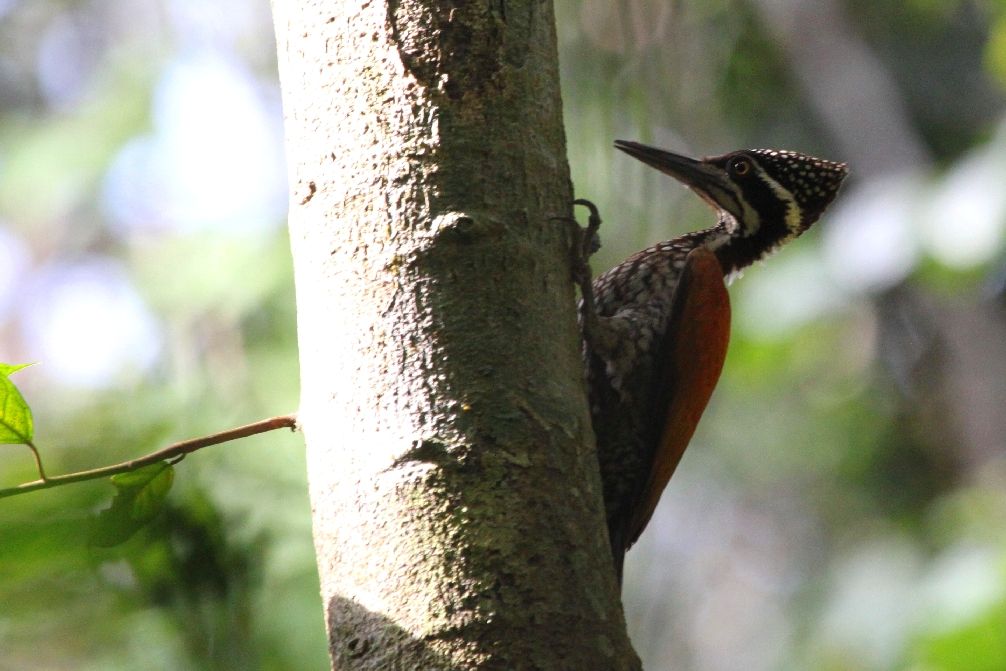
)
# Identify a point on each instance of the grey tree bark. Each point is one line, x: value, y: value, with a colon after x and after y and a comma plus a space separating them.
x: 456, y: 500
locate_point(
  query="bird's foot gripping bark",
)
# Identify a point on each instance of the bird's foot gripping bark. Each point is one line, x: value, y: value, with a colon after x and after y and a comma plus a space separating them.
x: 590, y: 240
x: 585, y: 243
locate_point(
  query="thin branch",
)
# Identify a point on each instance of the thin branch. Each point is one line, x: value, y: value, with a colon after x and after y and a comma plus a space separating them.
x: 175, y: 451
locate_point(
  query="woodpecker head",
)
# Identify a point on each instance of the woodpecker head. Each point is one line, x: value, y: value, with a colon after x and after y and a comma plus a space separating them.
x: 766, y: 196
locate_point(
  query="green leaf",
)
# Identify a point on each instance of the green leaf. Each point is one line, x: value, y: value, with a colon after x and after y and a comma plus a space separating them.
x: 140, y: 476
x: 140, y: 496
x: 16, y: 423
x: 8, y: 368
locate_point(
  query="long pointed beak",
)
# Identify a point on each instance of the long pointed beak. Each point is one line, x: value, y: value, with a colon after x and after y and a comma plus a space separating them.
x: 710, y: 182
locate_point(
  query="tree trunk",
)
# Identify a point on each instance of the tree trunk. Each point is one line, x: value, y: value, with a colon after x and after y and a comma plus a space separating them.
x: 457, y: 511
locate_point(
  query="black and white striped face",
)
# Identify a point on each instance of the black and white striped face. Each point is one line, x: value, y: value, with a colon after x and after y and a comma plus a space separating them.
x: 781, y: 190
x: 768, y: 196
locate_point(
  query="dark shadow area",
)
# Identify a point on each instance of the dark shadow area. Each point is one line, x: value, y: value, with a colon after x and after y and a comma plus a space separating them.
x: 361, y: 639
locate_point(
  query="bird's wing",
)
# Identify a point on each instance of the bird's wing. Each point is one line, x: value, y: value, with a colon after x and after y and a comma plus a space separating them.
x: 692, y: 353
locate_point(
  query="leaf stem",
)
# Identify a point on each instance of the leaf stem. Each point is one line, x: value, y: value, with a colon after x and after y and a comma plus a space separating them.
x: 38, y: 460
x: 175, y: 451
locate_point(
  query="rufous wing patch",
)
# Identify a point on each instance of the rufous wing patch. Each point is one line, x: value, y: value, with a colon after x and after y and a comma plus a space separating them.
x: 695, y: 346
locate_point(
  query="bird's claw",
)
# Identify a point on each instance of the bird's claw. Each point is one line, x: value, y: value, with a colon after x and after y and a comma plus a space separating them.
x: 587, y: 242
x: 590, y: 241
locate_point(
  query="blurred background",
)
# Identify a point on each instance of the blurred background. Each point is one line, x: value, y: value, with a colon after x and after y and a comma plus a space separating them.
x: 843, y: 505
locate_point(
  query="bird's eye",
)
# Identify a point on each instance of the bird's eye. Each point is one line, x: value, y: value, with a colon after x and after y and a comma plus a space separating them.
x: 740, y: 166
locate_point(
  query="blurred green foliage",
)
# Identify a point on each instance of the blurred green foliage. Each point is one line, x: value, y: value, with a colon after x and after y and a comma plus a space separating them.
x: 843, y: 505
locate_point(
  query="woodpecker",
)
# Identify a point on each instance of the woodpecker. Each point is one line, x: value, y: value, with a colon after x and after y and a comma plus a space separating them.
x: 656, y: 326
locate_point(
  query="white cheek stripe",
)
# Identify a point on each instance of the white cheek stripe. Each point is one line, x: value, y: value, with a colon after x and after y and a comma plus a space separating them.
x: 749, y: 221
x: 794, y: 216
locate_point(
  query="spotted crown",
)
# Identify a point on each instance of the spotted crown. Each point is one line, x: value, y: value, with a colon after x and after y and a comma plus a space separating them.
x: 813, y: 181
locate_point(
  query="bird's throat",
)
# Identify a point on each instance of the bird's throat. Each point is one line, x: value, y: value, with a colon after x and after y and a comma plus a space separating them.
x: 736, y: 251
